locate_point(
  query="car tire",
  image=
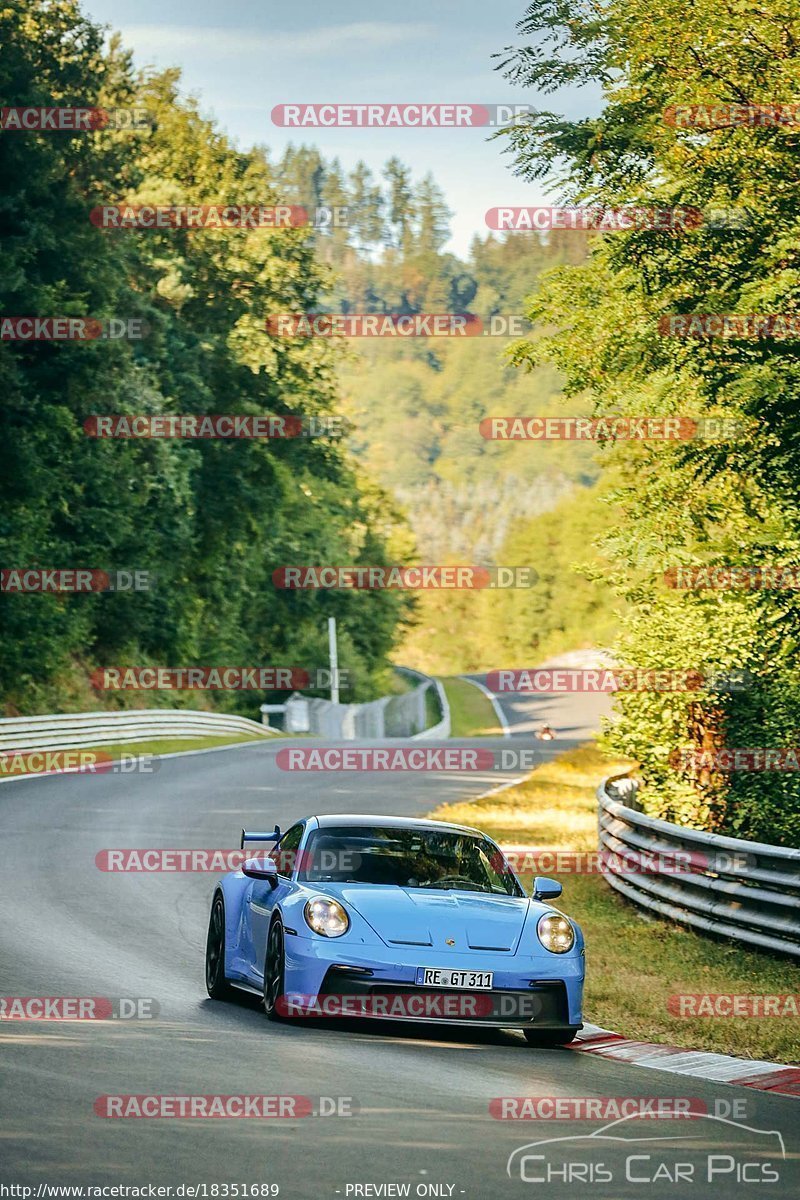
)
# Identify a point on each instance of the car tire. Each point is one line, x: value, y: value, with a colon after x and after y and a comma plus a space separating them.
x: 217, y: 985
x: 551, y: 1037
x: 274, y: 973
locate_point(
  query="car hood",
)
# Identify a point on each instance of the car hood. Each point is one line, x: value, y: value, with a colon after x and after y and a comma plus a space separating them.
x: 412, y: 917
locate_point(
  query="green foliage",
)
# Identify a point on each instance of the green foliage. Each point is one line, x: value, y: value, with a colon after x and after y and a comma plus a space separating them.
x: 210, y: 520
x: 415, y: 408
x: 568, y: 606
x: 726, y: 502
x: 416, y: 405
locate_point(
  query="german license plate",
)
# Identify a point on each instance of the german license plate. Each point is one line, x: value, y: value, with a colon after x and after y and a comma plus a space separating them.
x: 471, y: 980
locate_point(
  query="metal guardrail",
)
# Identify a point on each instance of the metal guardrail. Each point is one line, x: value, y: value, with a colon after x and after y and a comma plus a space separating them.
x: 748, y: 891
x: 67, y: 730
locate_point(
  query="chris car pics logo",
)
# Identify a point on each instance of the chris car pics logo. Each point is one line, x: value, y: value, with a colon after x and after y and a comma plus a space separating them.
x: 630, y: 1152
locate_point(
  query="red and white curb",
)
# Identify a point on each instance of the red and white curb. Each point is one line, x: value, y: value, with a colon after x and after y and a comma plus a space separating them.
x: 719, y: 1068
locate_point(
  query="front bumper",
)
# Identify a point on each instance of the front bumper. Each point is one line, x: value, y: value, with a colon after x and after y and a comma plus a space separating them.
x: 542, y: 991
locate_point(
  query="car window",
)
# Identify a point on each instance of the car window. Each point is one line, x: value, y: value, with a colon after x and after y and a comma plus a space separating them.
x: 284, y: 855
x: 414, y: 857
x: 490, y: 867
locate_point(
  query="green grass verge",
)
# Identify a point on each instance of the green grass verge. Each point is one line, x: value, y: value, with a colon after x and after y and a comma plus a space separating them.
x: 635, y: 962
x: 471, y: 714
x: 171, y: 745
x: 154, y: 746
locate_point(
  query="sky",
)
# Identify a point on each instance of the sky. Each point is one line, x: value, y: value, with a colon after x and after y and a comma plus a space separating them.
x: 242, y: 57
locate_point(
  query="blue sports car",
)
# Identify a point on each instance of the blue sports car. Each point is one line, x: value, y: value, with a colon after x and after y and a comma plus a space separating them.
x: 396, y: 918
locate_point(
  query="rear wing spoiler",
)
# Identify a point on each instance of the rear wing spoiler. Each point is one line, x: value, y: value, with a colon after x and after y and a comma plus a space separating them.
x: 275, y: 836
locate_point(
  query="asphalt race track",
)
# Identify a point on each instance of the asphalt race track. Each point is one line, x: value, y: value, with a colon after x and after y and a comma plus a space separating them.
x: 421, y: 1099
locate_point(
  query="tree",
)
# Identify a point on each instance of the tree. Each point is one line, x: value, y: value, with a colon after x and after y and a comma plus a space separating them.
x: 603, y: 325
x: 432, y: 216
x: 365, y: 207
x: 400, y: 205
x: 208, y: 520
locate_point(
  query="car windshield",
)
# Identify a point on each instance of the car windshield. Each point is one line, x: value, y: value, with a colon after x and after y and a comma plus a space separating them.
x: 407, y: 857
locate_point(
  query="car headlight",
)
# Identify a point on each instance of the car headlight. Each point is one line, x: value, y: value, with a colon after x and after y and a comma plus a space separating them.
x: 556, y: 933
x: 326, y: 917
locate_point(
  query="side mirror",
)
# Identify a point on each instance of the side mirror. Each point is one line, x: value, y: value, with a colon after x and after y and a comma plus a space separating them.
x: 261, y: 868
x: 546, y: 889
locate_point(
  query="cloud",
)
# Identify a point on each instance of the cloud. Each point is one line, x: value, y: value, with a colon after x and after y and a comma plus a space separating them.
x: 360, y: 35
